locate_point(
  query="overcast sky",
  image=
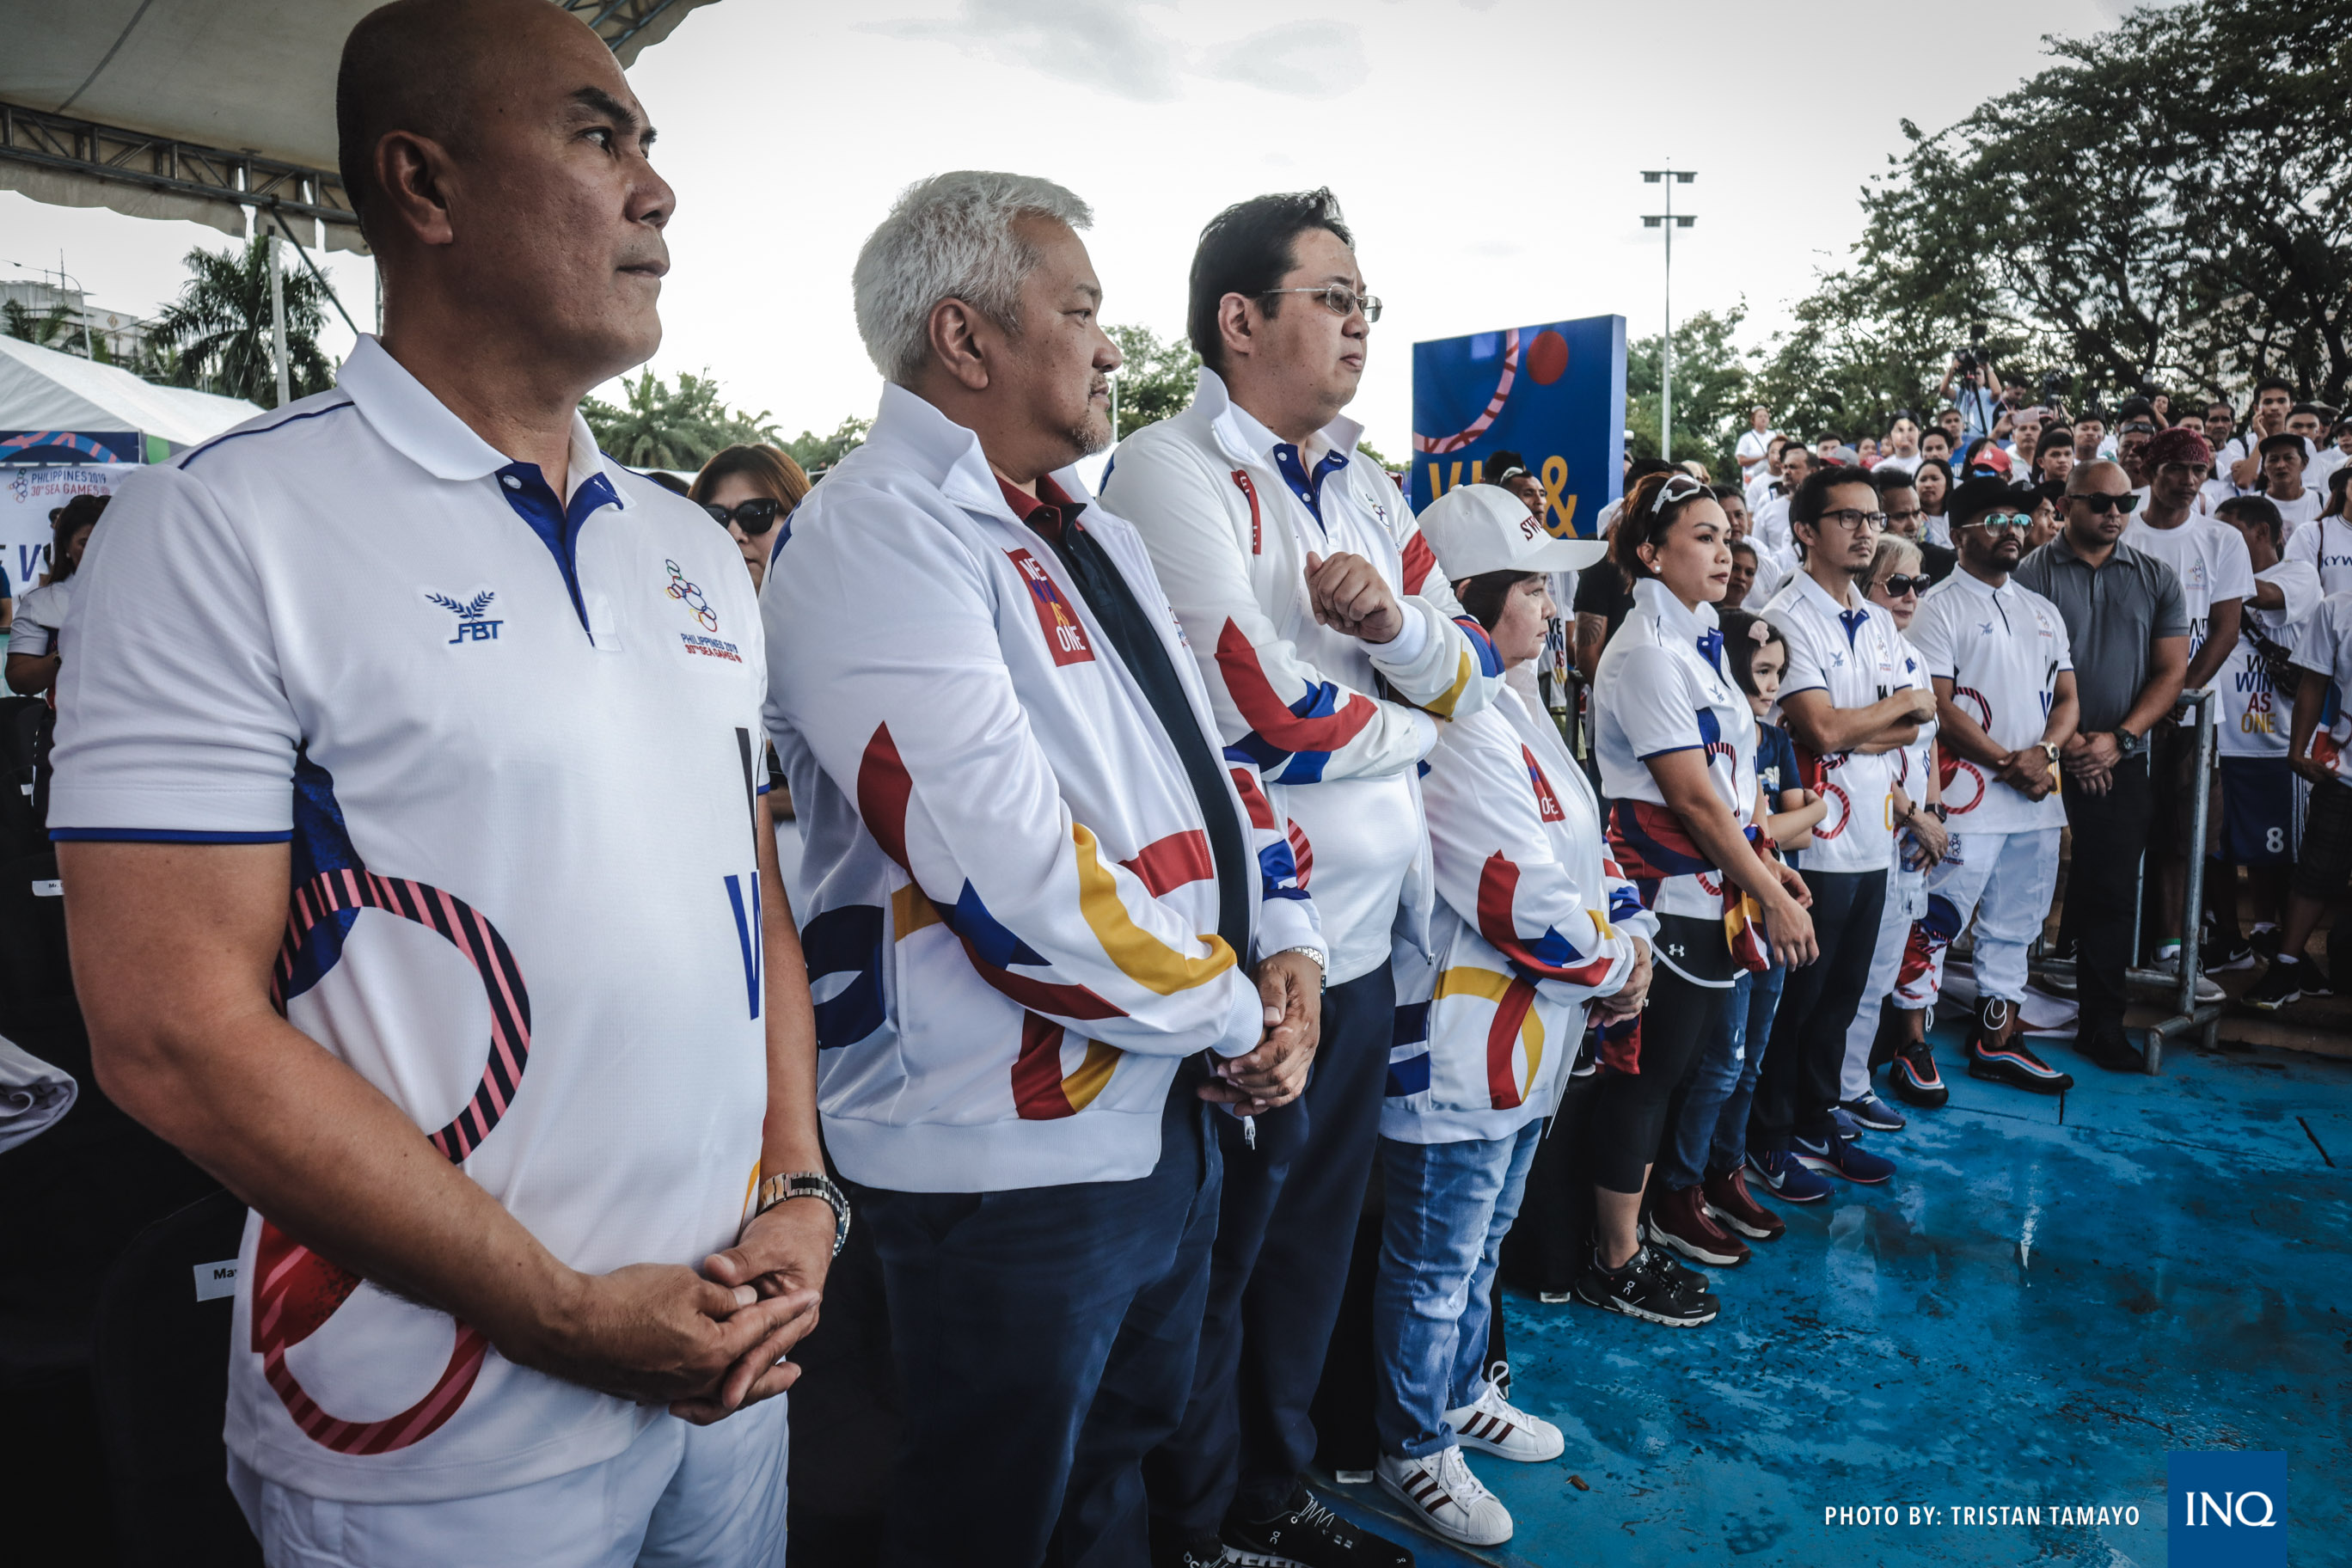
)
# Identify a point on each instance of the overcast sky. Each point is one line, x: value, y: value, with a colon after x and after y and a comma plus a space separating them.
x: 1486, y: 152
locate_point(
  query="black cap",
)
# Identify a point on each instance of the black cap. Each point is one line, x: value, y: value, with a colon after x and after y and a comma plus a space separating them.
x: 1987, y: 493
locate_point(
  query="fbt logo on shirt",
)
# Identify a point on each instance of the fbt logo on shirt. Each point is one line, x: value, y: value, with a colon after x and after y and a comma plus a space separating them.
x: 473, y: 623
x: 1065, y: 639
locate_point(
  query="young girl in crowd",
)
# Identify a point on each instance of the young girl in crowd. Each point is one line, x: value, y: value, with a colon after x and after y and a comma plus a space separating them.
x: 1676, y: 743
x: 1533, y: 923
x: 1895, y: 585
x: 1703, y: 1207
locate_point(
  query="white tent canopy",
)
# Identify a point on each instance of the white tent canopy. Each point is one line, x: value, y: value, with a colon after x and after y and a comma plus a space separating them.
x: 175, y: 110
x: 41, y: 389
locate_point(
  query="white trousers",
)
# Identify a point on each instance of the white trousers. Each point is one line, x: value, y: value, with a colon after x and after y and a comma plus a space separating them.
x: 681, y: 1496
x: 2005, y: 880
x: 1906, y: 900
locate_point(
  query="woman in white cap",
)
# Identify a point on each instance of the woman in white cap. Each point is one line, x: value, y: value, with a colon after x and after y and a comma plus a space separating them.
x: 1533, y: 924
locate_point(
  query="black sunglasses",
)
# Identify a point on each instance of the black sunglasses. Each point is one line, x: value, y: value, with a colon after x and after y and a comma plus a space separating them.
x: 2127, y: 503
x: 754, y: 517
x: 1896, y: 587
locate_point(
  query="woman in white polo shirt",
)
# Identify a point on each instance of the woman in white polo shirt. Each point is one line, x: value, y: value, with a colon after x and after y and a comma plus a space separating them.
x: 1675, y: 741
x: 1533, y: 922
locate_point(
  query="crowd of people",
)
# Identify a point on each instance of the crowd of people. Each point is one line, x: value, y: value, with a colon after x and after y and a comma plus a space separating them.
x: 1179, y: 863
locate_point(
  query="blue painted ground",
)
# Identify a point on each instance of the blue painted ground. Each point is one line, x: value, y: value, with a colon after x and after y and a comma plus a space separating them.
x: 2030, y: 1314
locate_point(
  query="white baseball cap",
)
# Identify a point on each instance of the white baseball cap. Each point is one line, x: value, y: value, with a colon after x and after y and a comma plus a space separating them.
x: 1478, y: 529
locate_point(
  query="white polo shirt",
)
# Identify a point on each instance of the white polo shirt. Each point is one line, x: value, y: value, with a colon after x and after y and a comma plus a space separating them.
x: 2256, y: 718
x: 1661, y: 687
x: 41, y: 619
x: 515, y: 746
x: 2002, y: 649
x: 1853, y: 653
x: 2209, y: 558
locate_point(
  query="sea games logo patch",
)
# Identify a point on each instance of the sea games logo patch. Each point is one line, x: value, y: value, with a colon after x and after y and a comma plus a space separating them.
x: 703, y: 642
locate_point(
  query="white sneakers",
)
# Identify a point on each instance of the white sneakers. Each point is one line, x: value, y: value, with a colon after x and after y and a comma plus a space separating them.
x: 1493, y: 1425
x: 1451, y: 1500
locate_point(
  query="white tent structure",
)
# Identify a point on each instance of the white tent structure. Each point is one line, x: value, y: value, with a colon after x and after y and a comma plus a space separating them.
x: 202, y: 109
x: 41, y: 389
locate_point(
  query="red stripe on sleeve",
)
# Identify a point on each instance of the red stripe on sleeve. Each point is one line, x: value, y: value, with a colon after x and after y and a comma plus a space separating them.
x: 1173, y: 861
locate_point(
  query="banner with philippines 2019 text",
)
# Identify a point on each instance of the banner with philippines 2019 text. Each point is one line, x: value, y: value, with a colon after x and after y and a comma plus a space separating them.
x: 28, y: 495
x: 1555, y: 394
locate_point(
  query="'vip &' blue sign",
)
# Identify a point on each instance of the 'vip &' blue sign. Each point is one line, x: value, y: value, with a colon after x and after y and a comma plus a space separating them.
x: 1554, y: 392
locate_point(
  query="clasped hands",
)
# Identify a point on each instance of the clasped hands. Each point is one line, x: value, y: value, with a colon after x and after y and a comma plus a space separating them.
x: 706, y: 1345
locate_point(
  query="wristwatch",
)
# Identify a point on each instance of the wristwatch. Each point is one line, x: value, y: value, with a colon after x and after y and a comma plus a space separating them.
x: 2050, y: 750
x: 1935, y: 808
x: 792, y: 1184
x: 2129, y: 744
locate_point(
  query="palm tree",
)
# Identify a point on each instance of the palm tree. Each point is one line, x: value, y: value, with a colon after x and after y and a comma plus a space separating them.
x: 657, y: 427
x: 220, y: 327
x: 51, y: 329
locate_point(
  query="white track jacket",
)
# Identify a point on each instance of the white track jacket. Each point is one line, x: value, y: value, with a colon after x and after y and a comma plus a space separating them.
x: 1011, y: 876
x: 1221, y: 503
x: 1533, y: 921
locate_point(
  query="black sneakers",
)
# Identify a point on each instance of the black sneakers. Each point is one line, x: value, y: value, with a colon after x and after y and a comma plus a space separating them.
x: 1913, y: 1077
x: 1205, y: 1552
x: 2285, y: 981
x: 1308, y: 1535
x: 1650, y: 1286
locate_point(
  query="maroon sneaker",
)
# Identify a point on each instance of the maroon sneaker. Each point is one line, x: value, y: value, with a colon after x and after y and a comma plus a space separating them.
x: 1679, y: 1221
x: 1728, y: 1201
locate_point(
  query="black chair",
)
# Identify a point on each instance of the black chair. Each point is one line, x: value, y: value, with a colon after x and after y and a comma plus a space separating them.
x: 160, y: 1368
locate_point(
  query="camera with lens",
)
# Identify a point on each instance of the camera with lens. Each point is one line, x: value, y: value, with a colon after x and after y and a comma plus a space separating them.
x: 1970, y: 359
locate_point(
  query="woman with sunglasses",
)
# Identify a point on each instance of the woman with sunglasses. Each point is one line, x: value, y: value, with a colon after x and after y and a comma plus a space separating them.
x: 748, y: 490
x: 1896, y: 580
x: 1676, y: 743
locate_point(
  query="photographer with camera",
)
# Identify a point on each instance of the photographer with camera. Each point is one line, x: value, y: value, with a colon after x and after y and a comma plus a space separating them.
x: 1974, y: 372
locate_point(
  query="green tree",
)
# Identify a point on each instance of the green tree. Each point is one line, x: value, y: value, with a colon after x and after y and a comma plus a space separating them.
x: 2171, y: 202
x: 816, y: 452
x: 1156, y: 379
x: 51, y: 329
x: 660, y: 426
x: 220, y: 331
x: 1711, y: 390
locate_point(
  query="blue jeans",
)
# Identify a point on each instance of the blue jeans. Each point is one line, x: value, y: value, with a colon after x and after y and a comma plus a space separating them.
x: 1710, y: 1135
x: 1449, y: 1207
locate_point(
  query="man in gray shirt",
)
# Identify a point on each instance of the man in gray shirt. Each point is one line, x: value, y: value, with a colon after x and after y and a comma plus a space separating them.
x: 2128, y: 625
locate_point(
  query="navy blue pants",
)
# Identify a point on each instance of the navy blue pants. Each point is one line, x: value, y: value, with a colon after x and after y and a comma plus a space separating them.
x: 1285, y: 1229
x: 1045, y: 1339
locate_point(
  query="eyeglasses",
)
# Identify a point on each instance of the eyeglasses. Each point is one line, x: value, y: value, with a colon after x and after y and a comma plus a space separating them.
x: 1899, y: 588
x: 1854, y: 521
x: 1337, y: 300
x: 1909, y: 514
x: 2003, y: 521
x: 754, y: 517
x: 2127, y: 503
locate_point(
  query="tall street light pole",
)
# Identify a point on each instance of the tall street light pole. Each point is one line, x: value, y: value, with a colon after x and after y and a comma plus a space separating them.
x: 1669, y: 221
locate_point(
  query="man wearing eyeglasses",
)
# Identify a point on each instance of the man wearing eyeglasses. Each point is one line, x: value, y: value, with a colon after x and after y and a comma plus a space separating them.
x: 2005, y: 707
x: 2127, y: 623
x: 1332, y: 648
x: 1849, y: 703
